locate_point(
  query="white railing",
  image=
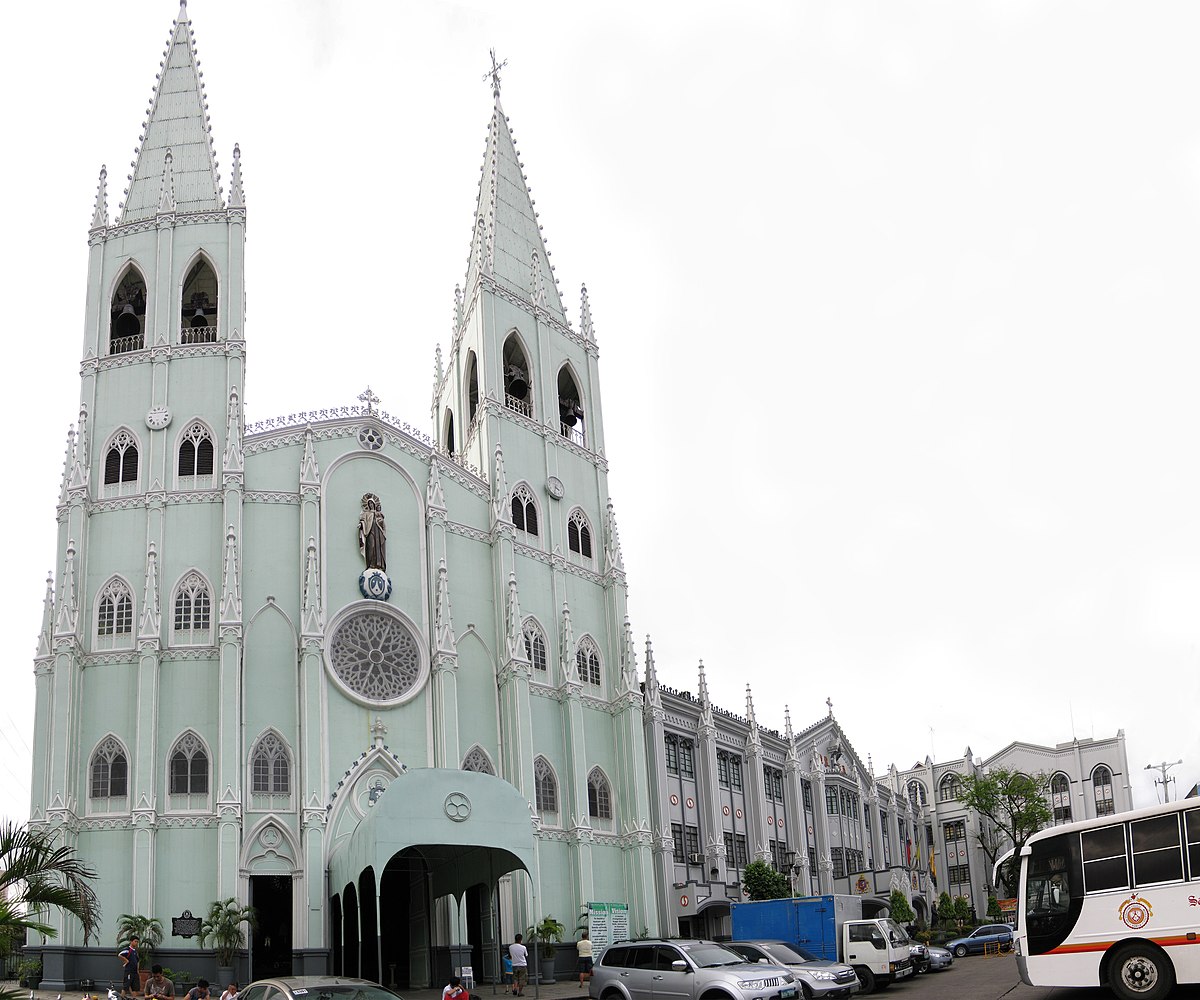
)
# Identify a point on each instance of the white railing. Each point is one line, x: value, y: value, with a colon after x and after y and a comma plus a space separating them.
x: 123, y: 345
x: 198, y: 335
x: 521, y: 406
x: 574, y: 434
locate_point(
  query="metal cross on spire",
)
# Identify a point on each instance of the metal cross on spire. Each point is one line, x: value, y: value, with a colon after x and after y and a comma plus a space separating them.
x: 370, y: 399
x: 829, y: 702
x: 494, y: 73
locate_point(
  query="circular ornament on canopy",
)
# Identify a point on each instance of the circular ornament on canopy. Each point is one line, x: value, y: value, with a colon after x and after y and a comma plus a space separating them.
x: 375, y: 656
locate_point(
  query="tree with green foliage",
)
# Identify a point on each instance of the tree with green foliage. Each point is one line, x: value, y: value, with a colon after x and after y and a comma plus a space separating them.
x: 148, y: 931
x: 37, y: 874
x: 962, y: 910
x: 945, y: 908
x: 899, y: 908
x: 222, y: 929
x: 993, y: 909
x: 761, y: 881
x: 1016, y: 805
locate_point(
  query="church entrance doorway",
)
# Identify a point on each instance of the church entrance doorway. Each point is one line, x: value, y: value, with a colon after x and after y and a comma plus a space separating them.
x: 271, y: 938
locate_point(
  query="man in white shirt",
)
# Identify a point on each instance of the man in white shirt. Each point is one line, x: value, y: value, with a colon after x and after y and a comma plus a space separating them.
x: 520, y: 961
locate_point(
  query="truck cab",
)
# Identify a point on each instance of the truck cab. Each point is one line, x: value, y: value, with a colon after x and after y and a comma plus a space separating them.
x: 878, y: 951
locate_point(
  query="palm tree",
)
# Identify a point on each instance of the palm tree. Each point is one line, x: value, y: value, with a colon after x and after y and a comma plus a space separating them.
x: 222, y: 928
x: 35, y: 875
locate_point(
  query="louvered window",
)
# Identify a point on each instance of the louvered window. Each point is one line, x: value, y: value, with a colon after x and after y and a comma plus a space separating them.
x: 579, y: 534
x: 524, y: 510
x: 121, y: 465
x: 196, y: 461
x: 599, y: 795
x: 545, y: 787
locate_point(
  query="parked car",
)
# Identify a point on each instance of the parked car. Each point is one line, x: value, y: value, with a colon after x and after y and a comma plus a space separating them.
x: 973, y: 943
x: 684, y: 970
x: 920, y: 956
x: 939, y: 958
x: 316, y: 988
x: 817, y: 978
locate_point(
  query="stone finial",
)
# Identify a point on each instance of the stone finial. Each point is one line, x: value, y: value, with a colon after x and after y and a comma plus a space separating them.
x: 829, y: 705
x: 459, y: 308
x: 68, y: 461
x: 46, y: 635
x: 629, y: 672
x: 237, y: 196
x: 166, y: 197
x: 438, y: 368
x: 378, y: 732
x: 567, y: 647
x: 100, y: 212
x: 653, y: 694
x: 233, y: 459
x: 435, y: 497
x: 750, y: 711
x: 310, y: 474
x: 150, y: 625
x: 516, y: 634
x: 311, y: 608
x: 68, y: 611
x: 79, y: 468
x: 499, y: 487
x: 231, y: 596
x: 612, y: 545
x: 585, y: 316
x: 443, y: 616
x: 702, y: 686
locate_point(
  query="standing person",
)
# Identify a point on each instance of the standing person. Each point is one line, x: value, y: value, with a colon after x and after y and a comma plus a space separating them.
x: 506, y: 965
x: 199, y: 991
x: 584, y: 948
x: 130, y: 981
x: 520, y: 963
x: 158, y: 986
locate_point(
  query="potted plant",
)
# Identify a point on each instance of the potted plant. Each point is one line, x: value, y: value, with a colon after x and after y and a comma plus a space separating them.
x: 223, y: 930
x: 148, y: 931
x: 545, y: 935
x: 30, y: 971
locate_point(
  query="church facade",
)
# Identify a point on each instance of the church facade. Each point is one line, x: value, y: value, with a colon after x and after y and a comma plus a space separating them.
x: 260, y: 640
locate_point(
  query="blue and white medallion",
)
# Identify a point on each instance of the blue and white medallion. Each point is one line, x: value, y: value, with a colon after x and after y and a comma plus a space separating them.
x: 375, y: 585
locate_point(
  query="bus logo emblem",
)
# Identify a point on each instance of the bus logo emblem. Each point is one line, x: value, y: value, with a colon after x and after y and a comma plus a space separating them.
x: 1135, y: 912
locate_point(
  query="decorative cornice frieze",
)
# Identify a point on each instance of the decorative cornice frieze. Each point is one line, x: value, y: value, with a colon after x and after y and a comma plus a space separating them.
x: 272, y: 496
x: 456, y: 528
x: 129, y: 656
x: 184, y: 653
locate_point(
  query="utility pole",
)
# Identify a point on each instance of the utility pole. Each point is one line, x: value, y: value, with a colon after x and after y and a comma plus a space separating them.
x: 1165, y: 780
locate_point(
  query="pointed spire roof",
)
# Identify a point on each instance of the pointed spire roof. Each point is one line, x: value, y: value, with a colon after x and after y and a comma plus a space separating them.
x: 151, y: 622
x: 507, y: 243
x: 612, y: 549
x: 68, y: 459
x: 652, y: 690
x: 233, y: 461
x: 311, y: 610
x: 68, y: 610
x: 100, y: 212
x: 178, y: 122
x: 46, y: 636
x: 629, y: 676
x: 310, y: 475
x: 231, y: 594
x: 567, y: 649
x: 516, y: 631
x: 443, y: 620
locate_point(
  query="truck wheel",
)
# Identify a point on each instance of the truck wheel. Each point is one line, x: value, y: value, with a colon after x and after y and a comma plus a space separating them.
x: 866, y: 979
x: 805, y: 991
x: 1140, y: 972
x: 961, y: 951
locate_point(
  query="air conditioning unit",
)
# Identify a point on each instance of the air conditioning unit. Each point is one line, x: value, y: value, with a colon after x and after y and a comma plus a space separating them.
x: 695, y: 859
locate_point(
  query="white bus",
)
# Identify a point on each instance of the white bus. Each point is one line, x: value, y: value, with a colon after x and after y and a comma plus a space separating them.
x: 1113, y: 901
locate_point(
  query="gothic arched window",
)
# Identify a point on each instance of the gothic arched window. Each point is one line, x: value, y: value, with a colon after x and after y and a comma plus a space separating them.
x: 109, y: 771
x: 188, y: 766
x: 195, y: 468
x: 472, y: 389
x: 270, y: 766
x: 114, y: 615
x: 545, y: 786
x: 193, y: 611
x: 570, y: 407
x: 127, y: 326
x: 448, y: 437
x: 916, y: 793
x: 524, y: 510
x: 198, y: 305
x: 121, y: 465
x: 535, y: 645
x: 599, y: 795
x: 1102, y: 790
x: 518, y: 387
x: 477, y: 760
x: 950, y: 788
x: 1060, y: 798
x: 579, y: 534
x: 587, y: 662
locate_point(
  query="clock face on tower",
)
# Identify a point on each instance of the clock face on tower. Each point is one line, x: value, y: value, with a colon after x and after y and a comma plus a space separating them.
x: 158, y: 417
x: 555, y: 488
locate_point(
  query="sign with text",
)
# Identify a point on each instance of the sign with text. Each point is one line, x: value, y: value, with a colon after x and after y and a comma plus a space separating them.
x: 607, y: 922
x: 185, y: 925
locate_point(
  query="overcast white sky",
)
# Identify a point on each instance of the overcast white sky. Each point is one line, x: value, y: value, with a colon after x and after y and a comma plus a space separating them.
x: 895, y: 302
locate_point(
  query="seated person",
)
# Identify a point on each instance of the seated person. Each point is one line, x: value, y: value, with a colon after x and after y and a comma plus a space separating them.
x: 455, y: 990
x: 158, y: 985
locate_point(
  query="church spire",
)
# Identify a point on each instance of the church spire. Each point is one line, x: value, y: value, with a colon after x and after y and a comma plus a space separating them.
x: 507, y: 243
x: 68, y: 611
x: 652, y: 691
x: 46, y: 636
x: 100, y: 212
x: 443, y: 621
x: 150, y: 625
x: 177, y: 123
x: 311, y: 609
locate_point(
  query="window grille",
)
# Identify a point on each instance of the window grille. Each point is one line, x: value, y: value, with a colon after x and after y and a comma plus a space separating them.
x: 587, y: 662
x: 189, y: 767
x: 110, y: 771
x: 270, y: 769
x: 535, y: 645
x: 544, y: 786
x: 193, y: 611
x: 1102, y: 791
x: 477, y: 760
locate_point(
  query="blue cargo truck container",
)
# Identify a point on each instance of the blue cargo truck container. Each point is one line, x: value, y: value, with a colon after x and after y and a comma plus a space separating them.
x: 833, y: 928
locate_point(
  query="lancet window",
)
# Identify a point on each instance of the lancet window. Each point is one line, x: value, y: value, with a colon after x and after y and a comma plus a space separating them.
x: 579, y: 534
x: 545, y: 786
x: 127, y: 326
x: 114, y: 615
x: 524, y: 510
x: 1102, y: 790
x: 188, y: 772
x: 518, y: 388
x: 472, y: 389
x: 477, y: 760
x: 121, y: 465
x: 109, y: 771
x: 270, y: 766
x: 916, y: 793
x: 193, y: 611
x: 587, y: 662
x: 448, y: 439
x: 570, y: 408
x: 599, y: 795
x: 950, y: 788
x: 535, y: 646
x: 195, y: 467
x: 198, y: 305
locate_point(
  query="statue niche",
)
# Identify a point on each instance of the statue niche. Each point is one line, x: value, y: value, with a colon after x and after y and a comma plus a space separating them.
x: 372, y: 533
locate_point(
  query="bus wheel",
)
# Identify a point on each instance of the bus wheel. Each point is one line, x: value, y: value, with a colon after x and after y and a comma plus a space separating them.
x: 1140, y: 972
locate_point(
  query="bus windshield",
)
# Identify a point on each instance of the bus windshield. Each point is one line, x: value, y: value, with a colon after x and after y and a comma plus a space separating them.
x: 1047, y: 890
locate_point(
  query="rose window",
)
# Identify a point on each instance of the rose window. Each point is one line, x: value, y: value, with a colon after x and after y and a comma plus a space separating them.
x: 375, y: 656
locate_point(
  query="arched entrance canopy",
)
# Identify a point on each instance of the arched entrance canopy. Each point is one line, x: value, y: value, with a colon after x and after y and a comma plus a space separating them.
x: 469, y: 827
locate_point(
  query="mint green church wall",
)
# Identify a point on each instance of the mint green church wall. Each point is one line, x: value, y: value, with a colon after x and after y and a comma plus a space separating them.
x: 271, y: 678
x: 110, y: 853
x: 185, y: 873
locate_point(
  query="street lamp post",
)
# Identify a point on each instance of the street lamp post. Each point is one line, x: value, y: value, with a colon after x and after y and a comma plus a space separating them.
x: 789, y: 859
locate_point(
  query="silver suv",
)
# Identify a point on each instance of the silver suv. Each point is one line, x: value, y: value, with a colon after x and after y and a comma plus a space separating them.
x: 685, y: 970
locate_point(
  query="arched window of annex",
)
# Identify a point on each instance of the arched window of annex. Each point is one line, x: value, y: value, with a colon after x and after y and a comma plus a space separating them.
x: 579, y: 535
x: 198, y: 304
x: 587, y: 661
x: 108, y: 777
x: 525, y: 510
x: 448, y: 432
x: 114, y: 615
x: 478, y: 760
x: 950, y: 788
x: 121, y: 464
x: 1060, y: 798
x: 518, y: 384
x: 187, y: 773
x: 535, y: 649
x: 570, y: 407
x: 600, y: 798
x: 191, y: 618
x: 196, y: 458
x: 270, y: 769
x: 127, y: 320
x: 545, y: 790
x: 472, y: 389
x: 1102, y: 790
x: 916, y: 793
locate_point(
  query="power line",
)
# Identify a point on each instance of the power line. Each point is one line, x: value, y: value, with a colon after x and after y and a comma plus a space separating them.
x: 1165, y: 780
